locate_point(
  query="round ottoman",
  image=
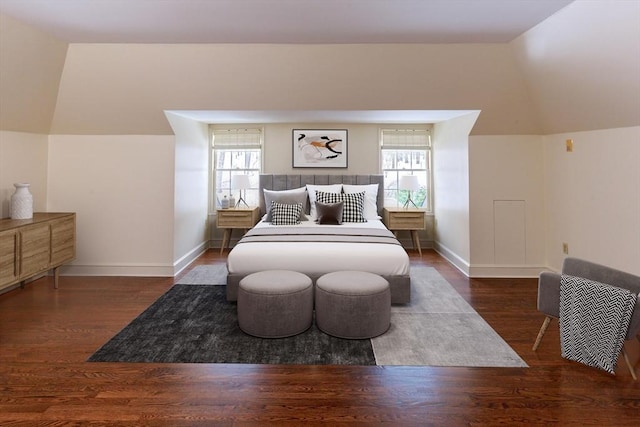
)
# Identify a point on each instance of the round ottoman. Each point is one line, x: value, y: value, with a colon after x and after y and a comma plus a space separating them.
x: 275, y: 303
x: 353, y: 304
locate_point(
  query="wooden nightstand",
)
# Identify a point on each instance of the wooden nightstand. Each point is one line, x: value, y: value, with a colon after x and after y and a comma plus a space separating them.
x: 244, y: 218
x: 405, y: 219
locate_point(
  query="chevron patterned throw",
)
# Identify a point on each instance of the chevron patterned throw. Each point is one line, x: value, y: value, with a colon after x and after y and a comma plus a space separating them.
x: 594, y: 318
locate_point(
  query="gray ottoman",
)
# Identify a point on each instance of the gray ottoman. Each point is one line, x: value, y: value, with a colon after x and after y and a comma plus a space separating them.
x: 275, y: 303
x: 353, y: 304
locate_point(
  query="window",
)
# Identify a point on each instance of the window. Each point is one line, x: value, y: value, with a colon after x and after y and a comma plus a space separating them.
x: 236, y: 152
x: 406, y: 152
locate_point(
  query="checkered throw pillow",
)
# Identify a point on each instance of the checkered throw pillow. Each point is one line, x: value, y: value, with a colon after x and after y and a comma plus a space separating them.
x: 285, y: 214
x: 353, y: 210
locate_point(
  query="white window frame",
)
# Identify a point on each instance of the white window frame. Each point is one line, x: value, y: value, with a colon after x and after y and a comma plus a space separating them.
x: 404, y: 140
x: 235, y: 139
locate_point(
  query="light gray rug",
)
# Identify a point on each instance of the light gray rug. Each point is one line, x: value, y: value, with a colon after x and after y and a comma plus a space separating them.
x: 205, y: 275
x: 438, y: 327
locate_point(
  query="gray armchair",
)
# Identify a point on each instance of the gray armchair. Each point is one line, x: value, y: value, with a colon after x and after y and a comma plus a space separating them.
x: 549, y: 294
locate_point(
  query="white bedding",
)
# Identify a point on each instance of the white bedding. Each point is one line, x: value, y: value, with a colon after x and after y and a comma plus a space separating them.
x: 317, y: 258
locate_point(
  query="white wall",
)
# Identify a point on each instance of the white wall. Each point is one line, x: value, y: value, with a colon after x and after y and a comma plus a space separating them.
x: 506, y: 171
x: 23, y: 158
x: 451, y: 189
x: 593, y: 197
x: 191, y: 189
x: 121, y: 188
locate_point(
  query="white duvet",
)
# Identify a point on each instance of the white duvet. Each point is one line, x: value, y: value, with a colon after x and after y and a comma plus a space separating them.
x: 315, y: 258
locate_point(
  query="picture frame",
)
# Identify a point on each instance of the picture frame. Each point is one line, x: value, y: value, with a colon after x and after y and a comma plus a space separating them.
x: 319, y: 148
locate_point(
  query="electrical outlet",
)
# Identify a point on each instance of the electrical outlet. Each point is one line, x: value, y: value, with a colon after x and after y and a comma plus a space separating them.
x: 565, y: 248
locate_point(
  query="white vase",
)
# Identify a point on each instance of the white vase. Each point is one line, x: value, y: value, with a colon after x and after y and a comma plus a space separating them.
x: 21, y: 202
x: 224, y: 204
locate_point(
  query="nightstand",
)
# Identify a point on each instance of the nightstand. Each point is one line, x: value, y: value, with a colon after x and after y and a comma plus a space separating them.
x: 405, y: 219
x: 243, y: 218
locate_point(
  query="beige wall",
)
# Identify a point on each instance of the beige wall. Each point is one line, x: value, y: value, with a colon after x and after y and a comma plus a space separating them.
x: 582, y: 66
x: 31, y: 64
x: 506, y: 205
x: 593, y: 197
x: 125, y: 88
x: 121, y: 188
x: 114, y: 159
x: 362, y: 148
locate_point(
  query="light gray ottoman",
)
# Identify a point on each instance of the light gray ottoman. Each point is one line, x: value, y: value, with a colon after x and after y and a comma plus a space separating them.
x: 353, y: 304
x: 275, y: 303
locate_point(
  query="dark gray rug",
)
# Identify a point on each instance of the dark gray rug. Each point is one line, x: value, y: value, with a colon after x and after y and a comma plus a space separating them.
x: 196, y: 324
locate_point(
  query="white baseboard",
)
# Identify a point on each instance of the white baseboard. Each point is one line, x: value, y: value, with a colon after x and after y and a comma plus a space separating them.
x: 506, y: 271
x: 452, y: 257
x: 191, y: 256
x: 141, y: 270
x: 489, y: 270
x: 147, y: 270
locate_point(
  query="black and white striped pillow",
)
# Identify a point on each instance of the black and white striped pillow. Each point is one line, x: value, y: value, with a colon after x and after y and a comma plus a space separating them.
x: 285, y: 214
x: 353, y: 209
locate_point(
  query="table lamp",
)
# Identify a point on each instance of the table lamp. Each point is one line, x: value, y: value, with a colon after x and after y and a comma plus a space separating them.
x: 240, y: 182
x: 409, y: 183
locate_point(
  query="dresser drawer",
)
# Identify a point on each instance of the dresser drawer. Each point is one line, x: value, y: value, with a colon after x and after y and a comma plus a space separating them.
x: 237, y: 218
x: 407, y: 221
x: 400, y: 219
x: 35, y: 244
x: 9, y: 247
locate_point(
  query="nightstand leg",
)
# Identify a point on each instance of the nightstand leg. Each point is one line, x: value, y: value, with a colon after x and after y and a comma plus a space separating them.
x: 225, y: 239
x: 416, y: 241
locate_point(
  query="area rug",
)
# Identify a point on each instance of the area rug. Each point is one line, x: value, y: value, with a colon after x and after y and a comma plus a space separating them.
x: 193, y: 323
x: 205, y: 275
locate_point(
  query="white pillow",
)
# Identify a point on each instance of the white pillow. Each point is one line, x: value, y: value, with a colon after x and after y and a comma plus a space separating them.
x: 295, y: 195
x: 311, y: 189
x: 370, y: 198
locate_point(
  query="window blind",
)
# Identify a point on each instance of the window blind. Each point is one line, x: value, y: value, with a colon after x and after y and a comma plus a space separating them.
x: 406, y: 139
x: 229, y: 139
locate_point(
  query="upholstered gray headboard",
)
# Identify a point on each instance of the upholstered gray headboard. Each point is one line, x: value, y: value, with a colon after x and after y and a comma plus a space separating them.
x: 288, y: 182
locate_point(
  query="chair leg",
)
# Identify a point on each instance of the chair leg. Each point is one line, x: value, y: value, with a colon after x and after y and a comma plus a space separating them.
x: 543, y: 329
x: 628, y: 362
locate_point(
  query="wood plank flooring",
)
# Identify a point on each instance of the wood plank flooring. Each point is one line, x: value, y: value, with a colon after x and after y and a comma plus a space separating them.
x: 46, y: 335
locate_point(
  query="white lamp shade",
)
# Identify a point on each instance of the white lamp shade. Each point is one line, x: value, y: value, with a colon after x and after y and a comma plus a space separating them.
x: 409, y: 182
x: 240, y: 182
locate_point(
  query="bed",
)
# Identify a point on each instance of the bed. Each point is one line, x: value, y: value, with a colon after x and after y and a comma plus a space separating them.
x: 315, y: 249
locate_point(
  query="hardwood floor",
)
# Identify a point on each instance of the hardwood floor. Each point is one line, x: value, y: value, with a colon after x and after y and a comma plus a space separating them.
x: 46, y: 335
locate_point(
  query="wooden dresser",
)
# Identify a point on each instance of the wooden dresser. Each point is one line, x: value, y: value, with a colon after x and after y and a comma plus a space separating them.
x: 29, y: 247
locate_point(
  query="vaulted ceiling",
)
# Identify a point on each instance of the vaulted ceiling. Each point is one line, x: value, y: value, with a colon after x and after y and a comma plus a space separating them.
x: 283, y: 21
x: 115, y: 66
